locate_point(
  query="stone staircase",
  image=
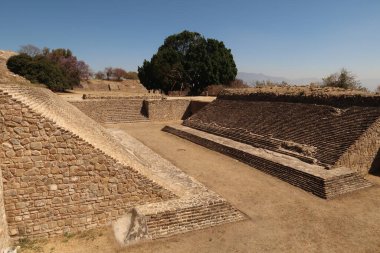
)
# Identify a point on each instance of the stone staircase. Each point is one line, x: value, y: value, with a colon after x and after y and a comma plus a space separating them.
x: 307, y: 176
x: 130, y: 112
x: 329, y: 130
x: 115, y: 110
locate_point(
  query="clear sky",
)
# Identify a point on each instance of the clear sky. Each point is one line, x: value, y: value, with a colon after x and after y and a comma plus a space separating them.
x: 290, y: 38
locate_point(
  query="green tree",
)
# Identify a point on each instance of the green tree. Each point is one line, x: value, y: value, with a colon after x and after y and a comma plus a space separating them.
x: 39, y: 69
x: 344, y: 79
x: 188, y: 60
x: 58, y: 69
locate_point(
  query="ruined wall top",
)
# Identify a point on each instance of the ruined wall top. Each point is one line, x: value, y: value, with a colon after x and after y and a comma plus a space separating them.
x: 305, y: 94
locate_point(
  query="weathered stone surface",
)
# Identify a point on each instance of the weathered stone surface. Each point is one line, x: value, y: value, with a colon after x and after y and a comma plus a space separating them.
x: 330, y: 133
x: 69, y: 174
x: 77, y: 180
x: 310, y: 177
x: 121, y: 110
x: 36, y: 145
x: 166, y: 110
x: 4, y: 236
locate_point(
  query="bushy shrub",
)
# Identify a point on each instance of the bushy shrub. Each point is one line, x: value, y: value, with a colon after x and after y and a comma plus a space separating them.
x: 116, y: 74
x: 344, y: 79
x: 39, y: 70
x: 58, y: 69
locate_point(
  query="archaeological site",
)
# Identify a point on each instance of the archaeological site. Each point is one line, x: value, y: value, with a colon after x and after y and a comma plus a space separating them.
x: 67, y: 165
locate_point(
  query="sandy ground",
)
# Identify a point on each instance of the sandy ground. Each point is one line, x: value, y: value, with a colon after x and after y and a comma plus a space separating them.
x: 77, y: 95
x: 282, y: 218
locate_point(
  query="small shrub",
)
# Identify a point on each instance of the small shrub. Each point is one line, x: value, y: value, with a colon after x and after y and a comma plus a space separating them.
x: 344, y: 79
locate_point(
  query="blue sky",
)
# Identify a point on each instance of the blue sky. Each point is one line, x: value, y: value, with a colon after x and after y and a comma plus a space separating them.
x: 290, y: 38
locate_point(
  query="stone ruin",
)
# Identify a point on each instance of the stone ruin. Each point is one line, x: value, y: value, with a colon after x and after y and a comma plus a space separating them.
x: 321, y: 140
x: 61, y: 171
x: 122, y: 108
x: 128, y: 85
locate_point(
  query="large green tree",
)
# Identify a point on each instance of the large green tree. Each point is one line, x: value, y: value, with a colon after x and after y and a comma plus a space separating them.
x: 188, y: 60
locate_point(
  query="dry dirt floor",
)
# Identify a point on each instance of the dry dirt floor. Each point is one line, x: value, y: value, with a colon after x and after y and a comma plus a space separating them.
x: 282, y: 218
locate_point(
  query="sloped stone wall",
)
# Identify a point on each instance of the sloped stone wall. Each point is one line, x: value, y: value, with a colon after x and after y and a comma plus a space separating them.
x: 336, y: 97
x: 4, y: 237
x: 360, y: 156
x: 176, y: 109
x: 165, y: 110
x: 55, y: 181
x: 329, y: 131
x: 310, y: 177
x: 113, y: 110
x: 124, y: 110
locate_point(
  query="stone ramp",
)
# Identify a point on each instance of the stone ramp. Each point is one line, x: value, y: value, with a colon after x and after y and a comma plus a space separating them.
x: 162, y: 199
x: 310, y: 177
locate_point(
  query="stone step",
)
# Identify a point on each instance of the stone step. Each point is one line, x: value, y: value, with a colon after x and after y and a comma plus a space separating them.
x: 310, y: 177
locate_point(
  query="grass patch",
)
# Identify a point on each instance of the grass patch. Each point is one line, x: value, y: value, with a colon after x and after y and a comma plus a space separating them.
x: 31, y: 245
x: 67, y: 236
x: 90, y: 235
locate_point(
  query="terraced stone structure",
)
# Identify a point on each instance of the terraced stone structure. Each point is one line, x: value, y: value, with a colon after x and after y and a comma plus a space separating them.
x: 320, y: 140
x: 122, y: 108
x: 63, y: 172
x: 113, y: 110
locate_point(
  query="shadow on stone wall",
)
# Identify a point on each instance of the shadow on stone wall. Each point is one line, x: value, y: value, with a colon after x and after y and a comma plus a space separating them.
x: 375, y: 167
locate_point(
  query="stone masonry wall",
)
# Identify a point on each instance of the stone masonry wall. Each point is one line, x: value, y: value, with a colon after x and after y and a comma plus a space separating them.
x: 112, y: 110
x: 339, y: 98
x: 124, y: 110
x: 55, y: 182
x: 360, y: 156
x: 165, y: 110
x: 4, y: 237
x: 329, y: 131
x: 323, y: 183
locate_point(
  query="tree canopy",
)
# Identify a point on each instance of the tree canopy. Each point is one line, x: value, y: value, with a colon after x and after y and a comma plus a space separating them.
x: 188, y: 60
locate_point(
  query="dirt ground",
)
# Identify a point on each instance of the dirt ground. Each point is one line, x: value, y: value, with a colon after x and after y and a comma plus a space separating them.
x: 282, y: 218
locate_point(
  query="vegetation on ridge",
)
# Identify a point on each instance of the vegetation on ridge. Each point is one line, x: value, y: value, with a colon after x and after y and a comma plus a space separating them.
x: 58, y: 69
x: 117, y: 74
x: 344, y: 79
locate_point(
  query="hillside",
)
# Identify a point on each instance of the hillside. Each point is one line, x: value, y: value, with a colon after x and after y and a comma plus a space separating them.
x: 251, y: 78
x: 131, y: 86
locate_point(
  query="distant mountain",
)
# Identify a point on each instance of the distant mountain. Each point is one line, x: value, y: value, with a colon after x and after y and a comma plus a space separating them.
x: 371, y: 84
x: 251, y: 78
